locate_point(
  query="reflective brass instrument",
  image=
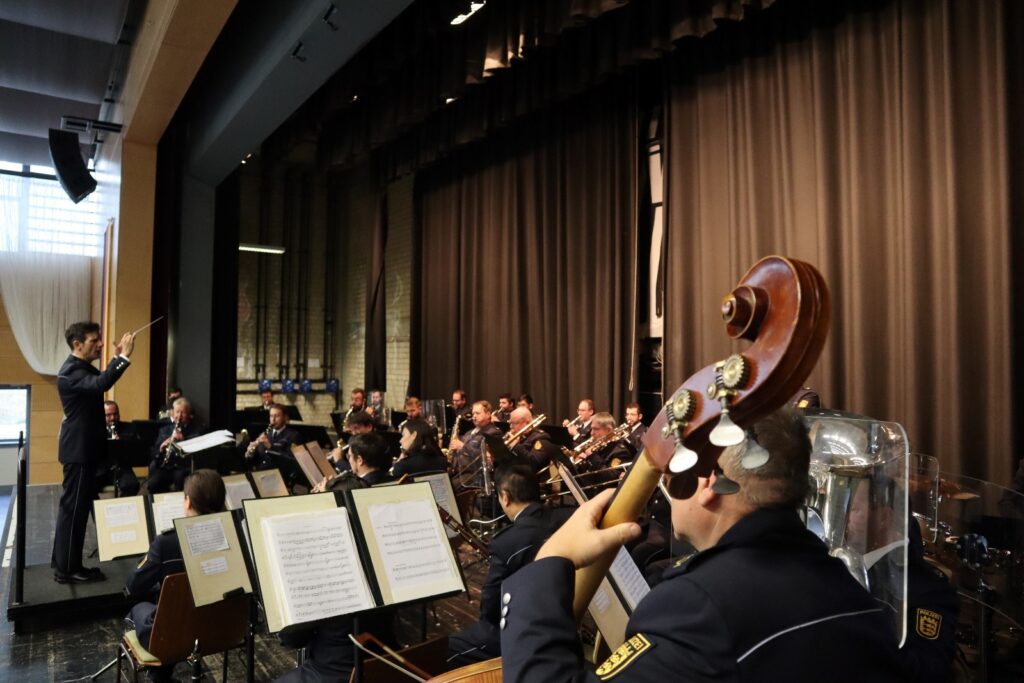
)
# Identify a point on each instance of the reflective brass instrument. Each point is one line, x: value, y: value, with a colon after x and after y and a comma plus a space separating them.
x: 112, y: 434
x: 512, y: 438
x: 581, y: 452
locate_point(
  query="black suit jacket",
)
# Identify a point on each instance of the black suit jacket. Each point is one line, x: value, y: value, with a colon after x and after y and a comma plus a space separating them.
x: 81, y: 387
x: 536, y: 448
x: 163, y: 558
x: 190, y: 430
x: 636, y: 437
x: 766, y: 603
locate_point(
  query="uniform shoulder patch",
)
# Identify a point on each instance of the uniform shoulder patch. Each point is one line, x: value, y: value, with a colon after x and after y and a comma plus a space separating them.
x: 538, y: 445
x: 623, y: 656
x: 928, y: 623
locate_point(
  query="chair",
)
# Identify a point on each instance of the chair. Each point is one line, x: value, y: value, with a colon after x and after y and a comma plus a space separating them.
x: 421, y: 660
x: 182, y: 631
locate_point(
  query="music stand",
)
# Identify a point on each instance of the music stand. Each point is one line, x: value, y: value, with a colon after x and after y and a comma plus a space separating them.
x: 559, y: 435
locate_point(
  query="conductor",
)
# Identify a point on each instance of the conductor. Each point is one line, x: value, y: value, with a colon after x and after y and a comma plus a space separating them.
x: 82, y: 441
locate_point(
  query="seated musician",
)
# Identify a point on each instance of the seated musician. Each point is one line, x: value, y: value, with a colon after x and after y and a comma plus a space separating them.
x: 459, y: 404
x: 761, y: 600
x: 328, y: 650
x: 510, y: 549
x: 504, y: 410
x: 376, y: 409
x: 173, y: 394
x: 165, y: 468
x: 468, y: 448
x: 637, y: 428
x: 368, y: 458
x: 109, y: 473
x: 358, y: 423
x: 266, y: 399
x: 204, y: 494
x: 605, y: 454
x: 420, y: 452
x: 277, y: 439
x: 357, y: 404
x: 535, y: 447
x: 525, y: 401
x: 579, y: 428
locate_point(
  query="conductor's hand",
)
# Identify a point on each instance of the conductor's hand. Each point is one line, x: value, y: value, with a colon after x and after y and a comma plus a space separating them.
x: 125, y: 346
x: 581, y: 542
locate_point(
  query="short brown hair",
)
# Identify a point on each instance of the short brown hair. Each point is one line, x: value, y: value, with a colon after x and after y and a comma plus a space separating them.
x: 782, y: 482
x: 205, y: 491
x: 604, y: 420
x: 77, y: 332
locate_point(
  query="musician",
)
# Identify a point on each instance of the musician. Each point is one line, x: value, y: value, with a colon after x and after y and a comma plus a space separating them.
x: 81, y: 442
x: 761, y: 600
x: 420, y: 452
x: 579, y: 428
x: 166, y: 469
x: 504, y: 410
x: 173, y: 394
x: 510, y: 549
x: 610, y: 454
x: 266, y: 399
x: 637, y: 428
x: 535, y: 447
x: 127, y: 483
x: 357, y: 404
x: 204, y: 494
x: 459, y: 404
x: 525, y: 401
x: 278, y: 438
x: 368, y: 458
x: 376, y: 408
x: 469, y: 447
x: 358, y: 423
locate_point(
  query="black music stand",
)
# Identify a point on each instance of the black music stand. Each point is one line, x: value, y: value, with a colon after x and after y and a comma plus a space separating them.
x: 398, y: 417
x: 309, y: 433
x: 559, y: 435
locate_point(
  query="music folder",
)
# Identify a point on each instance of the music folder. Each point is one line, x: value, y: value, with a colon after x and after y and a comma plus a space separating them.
x: 213, y: 557
x: 122, y: 527
x: 315, y: 559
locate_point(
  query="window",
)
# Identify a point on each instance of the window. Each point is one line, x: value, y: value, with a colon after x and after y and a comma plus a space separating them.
x: 13, y: 412
x: 36, y: 215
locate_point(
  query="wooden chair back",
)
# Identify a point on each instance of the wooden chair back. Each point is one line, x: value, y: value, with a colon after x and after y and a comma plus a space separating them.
x: 178, y: 622
x: 424, y: 660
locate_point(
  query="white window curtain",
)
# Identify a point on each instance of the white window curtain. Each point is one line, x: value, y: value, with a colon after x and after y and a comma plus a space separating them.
x: 47, y: 248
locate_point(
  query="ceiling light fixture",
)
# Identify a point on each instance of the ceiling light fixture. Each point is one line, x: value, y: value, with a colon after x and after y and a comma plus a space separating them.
x: 474, y: 7
x: 261, y: 248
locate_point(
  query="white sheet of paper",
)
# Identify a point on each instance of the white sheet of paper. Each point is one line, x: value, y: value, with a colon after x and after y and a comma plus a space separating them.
x: 126, y: 536
x: 168, y: 509
x: 411, y: 549
x: 206, y: 537
x: 630, y: 581
x: 235, y: 492
x: 121, y: 514
x: 315, y: 565
x: 439, y: 487
x: 214, y: 565
x: 201, y: 443
x: 601, y: 600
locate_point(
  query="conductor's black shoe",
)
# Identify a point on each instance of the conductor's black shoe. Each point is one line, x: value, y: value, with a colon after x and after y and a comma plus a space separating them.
x: 92, y: 570
x: 80, y: 576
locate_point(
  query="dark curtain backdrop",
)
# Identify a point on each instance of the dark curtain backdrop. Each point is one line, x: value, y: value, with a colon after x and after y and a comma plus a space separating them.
x: 375, y: 351
x: 527, y: 250
x: 877, y: 150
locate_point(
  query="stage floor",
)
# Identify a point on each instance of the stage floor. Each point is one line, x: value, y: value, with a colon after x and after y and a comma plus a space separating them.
x: 80, y: 645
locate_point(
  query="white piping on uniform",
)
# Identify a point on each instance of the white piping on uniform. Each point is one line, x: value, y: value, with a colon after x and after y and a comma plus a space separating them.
x: 804, y: 625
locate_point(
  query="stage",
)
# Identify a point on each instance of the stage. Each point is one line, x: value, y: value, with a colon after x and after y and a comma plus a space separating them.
x: 45, y: 602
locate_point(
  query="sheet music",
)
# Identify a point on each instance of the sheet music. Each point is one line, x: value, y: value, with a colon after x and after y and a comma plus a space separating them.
x: 166, y: 509
x: 628, y: 579
x: 237, y: 491
x: 215, y: 565
x: 315, y: 565
x: 201, y: 443
x: 126, y: 536
x: 412, y: 551
x: 439, y: 486
x: 121, y: 514
x: 206, y: 537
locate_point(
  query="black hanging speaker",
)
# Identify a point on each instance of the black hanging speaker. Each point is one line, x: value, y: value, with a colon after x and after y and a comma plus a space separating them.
x: 67, y: 160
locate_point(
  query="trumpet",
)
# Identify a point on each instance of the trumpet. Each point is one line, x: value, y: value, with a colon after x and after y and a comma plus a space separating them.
x: 575, y: 422
x: 513, y: 437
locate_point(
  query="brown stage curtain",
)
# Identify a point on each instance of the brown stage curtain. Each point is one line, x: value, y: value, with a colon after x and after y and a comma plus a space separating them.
x: 527, y: 260
x: 877, y: 150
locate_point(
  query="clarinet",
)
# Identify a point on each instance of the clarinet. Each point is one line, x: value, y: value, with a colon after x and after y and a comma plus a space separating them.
x: 172, y: 450
x: 251, y: 450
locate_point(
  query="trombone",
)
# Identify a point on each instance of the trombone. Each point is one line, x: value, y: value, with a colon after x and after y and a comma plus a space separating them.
x: 512, y: 438
x: 582, y: 451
